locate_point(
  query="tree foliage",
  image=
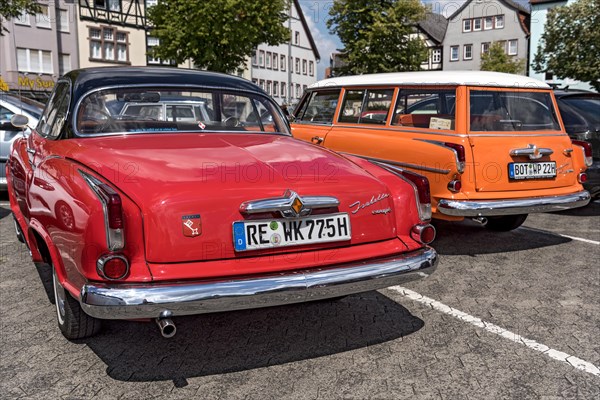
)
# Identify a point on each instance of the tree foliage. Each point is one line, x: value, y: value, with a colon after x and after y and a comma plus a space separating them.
x: 217, y: 35
x: 10, y: 9
x: 497, y: 60
x: 378, y: 35
x: 570, y: 44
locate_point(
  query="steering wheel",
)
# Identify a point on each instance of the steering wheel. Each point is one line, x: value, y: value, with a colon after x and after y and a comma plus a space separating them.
x: 232, y: 122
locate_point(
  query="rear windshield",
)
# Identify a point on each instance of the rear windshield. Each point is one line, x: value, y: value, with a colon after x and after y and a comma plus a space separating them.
x: 512, y: 111
x: 156, y: 110
x: 588, y: 107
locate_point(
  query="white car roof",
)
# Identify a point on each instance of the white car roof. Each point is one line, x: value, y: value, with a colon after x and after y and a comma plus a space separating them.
x: 468, y: 78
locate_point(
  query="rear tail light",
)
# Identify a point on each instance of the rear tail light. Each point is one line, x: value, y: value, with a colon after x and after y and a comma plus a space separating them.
x: 420, y: 185
x: 587, y: 151
x: 582, y: 177
x: 454, y: 186
x: 423, y: 233
x: 113, y: 211
x: 114, y: 207
x: 459, y: 150
x: 112, y: 266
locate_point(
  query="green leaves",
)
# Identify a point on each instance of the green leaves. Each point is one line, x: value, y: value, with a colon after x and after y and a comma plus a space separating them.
x: 378, y: 35
x: 569, y: 47
x: 497, y: 60
x: 13, y: 8
x: 217, y: 35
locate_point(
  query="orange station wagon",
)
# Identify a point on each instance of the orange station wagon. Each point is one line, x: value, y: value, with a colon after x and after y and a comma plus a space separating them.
x: 492, y: 145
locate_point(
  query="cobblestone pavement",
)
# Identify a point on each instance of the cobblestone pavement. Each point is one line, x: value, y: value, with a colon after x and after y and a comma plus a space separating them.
x: 533, y: 282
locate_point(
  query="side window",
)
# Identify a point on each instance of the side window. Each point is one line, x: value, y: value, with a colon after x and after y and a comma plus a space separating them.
x: 366, y: 106
x: 377, y: 106
x: 55, y: 114
x: 5, y: 114
x: 319, y: 107
x: 425, y: 108
x: 352, y: 105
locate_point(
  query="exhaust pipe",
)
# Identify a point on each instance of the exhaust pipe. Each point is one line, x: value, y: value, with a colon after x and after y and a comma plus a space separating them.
x: 480, y: 220
x: 167, y: 327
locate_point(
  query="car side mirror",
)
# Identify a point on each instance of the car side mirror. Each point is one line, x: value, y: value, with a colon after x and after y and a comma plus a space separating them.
x: 19, y: 121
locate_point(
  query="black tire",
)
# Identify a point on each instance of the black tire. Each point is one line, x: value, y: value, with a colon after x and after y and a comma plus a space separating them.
x: 18, y: 231
x: 505, y: 223
x: 73, y: 322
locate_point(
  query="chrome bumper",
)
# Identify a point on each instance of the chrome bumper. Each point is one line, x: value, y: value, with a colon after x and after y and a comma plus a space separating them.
x: 488, y: 208
x: 114, y: 301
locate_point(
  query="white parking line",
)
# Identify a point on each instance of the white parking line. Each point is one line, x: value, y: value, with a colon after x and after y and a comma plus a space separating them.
x: 560, y: 234
x: 577, y: 363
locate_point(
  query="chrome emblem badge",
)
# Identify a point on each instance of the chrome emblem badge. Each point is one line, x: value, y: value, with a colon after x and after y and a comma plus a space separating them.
x: 297, y: 205
x: 192, y: 225
x: 290, y: 205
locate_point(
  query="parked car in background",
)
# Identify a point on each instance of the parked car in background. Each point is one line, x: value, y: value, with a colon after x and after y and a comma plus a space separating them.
x: 144, y: 218
x: 580, y: 113
x: 492, y: 145
x: 9, y: 106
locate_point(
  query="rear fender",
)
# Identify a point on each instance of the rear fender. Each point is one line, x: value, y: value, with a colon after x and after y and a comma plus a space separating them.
x: 405, y: 203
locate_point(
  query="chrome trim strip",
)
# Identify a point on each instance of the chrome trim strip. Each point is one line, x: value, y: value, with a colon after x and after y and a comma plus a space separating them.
x: 516, y: 135
x: 147, y: 300
x: 425, y: 131
x: 485, y: 208
x: 399, y: 164
x: 460, y: 166
x: 284, y: 205
x: 115, y: 240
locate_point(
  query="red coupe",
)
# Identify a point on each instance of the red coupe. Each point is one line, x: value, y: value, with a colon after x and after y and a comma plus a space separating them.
x: 155, y: 193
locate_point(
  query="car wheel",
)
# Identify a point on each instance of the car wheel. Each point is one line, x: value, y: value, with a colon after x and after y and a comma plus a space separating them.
x: 505, y: 223
x: 18, y: 231
x: 73, y: 322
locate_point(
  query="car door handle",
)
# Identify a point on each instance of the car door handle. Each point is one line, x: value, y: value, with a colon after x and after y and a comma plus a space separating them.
x: 317, y: 139
x: 31, y: 151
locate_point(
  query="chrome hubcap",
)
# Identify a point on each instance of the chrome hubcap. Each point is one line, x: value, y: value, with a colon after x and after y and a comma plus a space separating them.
x: 59, y: 297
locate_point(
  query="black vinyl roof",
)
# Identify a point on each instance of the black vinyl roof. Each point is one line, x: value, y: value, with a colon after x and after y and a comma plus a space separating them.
x: 84, y: 80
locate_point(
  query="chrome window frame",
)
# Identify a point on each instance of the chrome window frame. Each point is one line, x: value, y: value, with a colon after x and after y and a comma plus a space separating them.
x: 250, y: 94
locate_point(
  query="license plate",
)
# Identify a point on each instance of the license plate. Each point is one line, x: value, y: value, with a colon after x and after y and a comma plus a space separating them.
x: 532, y: 170
x: 270, y: 233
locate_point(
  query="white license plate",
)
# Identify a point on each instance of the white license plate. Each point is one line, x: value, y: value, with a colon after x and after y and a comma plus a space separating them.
x: 532, y: 170
x: 269, y: 233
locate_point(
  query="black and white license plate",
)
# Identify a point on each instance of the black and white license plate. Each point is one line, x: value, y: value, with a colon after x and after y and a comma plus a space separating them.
x: 532, y: 170
x: 269, y: 233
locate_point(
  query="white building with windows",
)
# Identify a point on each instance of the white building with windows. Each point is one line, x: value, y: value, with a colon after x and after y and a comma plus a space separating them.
x: 286, y: 70
x: 38, y: 49
x: 479, y: 23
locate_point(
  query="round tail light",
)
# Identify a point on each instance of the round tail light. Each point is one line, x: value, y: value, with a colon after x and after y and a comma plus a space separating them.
x: 582, y: 177
x: 454, y: 186
x: 423, y: 233
x: 113, y: 266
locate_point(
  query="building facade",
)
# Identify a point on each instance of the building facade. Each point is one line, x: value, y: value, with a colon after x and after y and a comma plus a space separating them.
x: 477, y: 24
x: 539, y: 12
x: 38, y: 49
x: 432, y: 31
x: 286, y: 70
x: 112, y: 32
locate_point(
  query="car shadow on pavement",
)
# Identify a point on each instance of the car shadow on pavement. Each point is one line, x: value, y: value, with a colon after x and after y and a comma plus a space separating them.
x: 591, y: 210
x: 212, y: 344
x: 470, y: 238
x: 4, y: 211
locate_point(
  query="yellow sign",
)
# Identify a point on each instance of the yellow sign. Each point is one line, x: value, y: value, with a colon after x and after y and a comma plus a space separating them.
x: 35, y: 83
x: 3, y: 85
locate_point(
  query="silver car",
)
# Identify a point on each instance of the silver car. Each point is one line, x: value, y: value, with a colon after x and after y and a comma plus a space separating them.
x: 9, y: 106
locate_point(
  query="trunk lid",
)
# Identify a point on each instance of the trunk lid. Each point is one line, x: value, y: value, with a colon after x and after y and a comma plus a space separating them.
x: 492, y: 156
x: 517, y: 126
x: 210, y: 175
